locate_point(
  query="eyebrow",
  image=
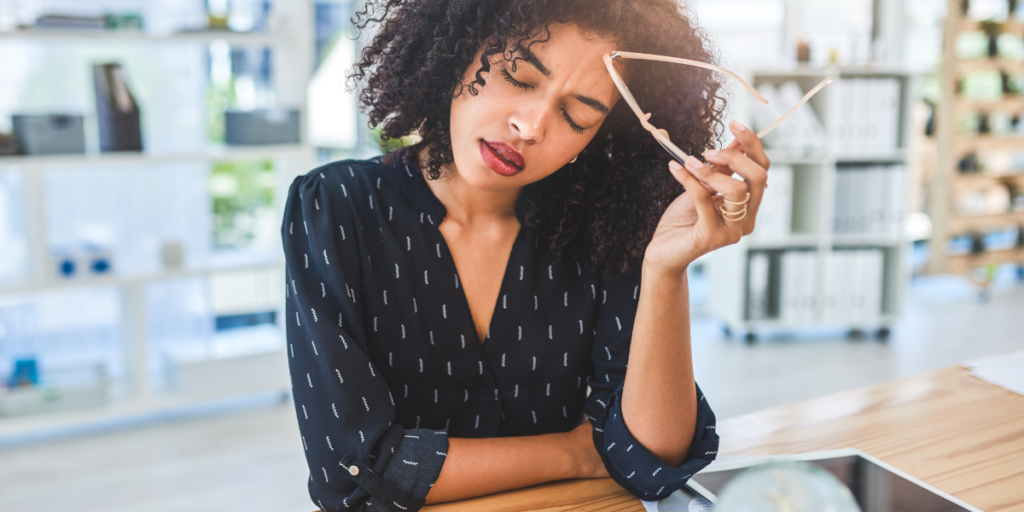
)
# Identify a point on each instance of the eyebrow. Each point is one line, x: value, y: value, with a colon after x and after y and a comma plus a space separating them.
x: 586, y: 100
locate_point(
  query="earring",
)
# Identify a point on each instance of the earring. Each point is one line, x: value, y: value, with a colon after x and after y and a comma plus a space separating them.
x: 574, y: 159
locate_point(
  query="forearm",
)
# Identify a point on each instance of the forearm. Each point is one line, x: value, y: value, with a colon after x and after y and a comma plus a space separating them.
x: 659, y: 399
x: 476, y: 467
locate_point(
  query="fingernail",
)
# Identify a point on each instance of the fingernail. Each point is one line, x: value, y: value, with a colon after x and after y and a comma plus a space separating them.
x: 693, y: 163
x: 710, y: 153
x: 738, y: 126
x: 672, y: 164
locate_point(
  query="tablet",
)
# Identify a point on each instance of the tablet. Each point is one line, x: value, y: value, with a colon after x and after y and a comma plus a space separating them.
x: 877, y: 486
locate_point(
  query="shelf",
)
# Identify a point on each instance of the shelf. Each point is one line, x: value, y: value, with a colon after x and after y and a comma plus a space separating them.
x: 965, y: 263
x: 1010, y: 67
x: 882, y: 156
x: 126, y: 158
x: 882, y: 241
x: 135, y: 411
x: 791, y: 242
x: 987, y: 143
x: 778, y: 324
x: 80, y: 35
x: 833, y: 71
x: 1006, y: 104
x: 960, y: 224
x: 979, y: 180
x: 886, y: 156
x: 784, y: 158
x: 253, y: 264
x: 1008, y: 26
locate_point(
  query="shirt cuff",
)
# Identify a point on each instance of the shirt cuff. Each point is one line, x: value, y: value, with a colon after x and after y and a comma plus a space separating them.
x: 638, y: 470
x: 416, y: 463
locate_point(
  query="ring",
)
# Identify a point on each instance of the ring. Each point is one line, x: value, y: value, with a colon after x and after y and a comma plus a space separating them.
x: 733, y: 216
x: 741, y: 203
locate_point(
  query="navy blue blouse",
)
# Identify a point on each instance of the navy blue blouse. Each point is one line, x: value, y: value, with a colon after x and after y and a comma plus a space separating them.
x: 385, y: 360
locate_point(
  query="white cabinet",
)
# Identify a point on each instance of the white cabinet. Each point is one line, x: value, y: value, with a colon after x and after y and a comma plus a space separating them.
x: 828, y: 249
x: 158, y: 322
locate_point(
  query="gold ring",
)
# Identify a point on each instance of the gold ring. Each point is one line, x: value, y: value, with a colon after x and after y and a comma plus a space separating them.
x: 741, y: 203
x: 733, y: 216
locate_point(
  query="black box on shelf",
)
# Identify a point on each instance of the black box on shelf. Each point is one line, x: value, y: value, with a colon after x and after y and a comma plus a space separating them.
x: 116, y: 110
x: 256, y: 127
x: 49, y: 134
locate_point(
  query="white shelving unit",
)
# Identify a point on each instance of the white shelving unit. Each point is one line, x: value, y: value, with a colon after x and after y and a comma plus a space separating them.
x: 225, y: 380
x: 813, y: 208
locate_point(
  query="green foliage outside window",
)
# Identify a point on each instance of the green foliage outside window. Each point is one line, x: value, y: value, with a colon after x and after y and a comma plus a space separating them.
x: 243, y: 203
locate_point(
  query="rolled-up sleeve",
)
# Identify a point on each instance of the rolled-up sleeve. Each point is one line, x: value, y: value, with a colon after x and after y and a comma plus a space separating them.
x: 358, y: 458
x: 628, y: 462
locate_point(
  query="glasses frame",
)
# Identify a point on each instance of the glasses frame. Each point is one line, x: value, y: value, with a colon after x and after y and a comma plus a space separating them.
x: 661, y: 135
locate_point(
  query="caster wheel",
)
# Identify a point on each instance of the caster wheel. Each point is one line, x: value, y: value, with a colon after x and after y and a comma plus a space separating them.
x: 883, y: 335
x: 856, y: 334
x: 750, y: 338
x: 727, y: 331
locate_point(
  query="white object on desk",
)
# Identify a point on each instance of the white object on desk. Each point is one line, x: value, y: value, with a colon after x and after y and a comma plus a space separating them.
x: 1003, y: 370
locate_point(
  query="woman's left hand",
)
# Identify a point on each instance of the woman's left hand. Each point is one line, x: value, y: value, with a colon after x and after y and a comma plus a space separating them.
x: 693, y: 225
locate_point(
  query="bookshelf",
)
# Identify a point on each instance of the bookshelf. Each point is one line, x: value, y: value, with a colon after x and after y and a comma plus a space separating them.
x: 229, y: 371
x: 809, y: 272
x: 950, y: 220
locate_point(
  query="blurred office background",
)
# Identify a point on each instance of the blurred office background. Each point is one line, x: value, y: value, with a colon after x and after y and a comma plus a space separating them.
x: 146, y: 147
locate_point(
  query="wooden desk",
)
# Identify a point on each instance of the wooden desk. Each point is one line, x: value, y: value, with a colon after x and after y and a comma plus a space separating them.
x: 958, y: 433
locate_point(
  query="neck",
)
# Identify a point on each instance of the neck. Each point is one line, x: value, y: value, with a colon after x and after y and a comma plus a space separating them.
x: 467, y: 205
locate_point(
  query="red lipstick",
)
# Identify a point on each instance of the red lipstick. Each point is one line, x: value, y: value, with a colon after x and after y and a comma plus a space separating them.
x: 502, y: 158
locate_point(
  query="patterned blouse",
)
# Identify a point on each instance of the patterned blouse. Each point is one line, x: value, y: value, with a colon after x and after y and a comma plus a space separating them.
x: 385, y: 360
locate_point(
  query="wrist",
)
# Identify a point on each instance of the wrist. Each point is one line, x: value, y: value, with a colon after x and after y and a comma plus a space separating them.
x: 654, y: 272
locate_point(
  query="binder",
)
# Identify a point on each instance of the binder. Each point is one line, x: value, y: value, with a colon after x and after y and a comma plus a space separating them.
x: 758, y: 289
x: 775, y: 216
x: 116, y: 110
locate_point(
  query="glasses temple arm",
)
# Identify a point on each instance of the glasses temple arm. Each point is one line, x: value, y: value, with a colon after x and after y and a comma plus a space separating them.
x: 803, y: 100
x: 688, y: 62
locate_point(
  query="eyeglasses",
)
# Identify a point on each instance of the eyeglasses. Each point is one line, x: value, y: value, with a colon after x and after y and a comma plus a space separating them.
x: 661, y: 135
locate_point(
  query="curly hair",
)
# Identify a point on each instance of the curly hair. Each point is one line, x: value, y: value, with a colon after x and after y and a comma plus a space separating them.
x: 602, y: 209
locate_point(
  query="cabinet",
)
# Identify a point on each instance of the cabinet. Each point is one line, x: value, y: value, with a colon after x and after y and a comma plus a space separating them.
x: 976, y: 196
x: 828, y: 249
x: 178, y: 324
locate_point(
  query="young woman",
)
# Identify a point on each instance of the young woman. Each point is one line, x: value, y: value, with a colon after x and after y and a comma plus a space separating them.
x: 505, y: 302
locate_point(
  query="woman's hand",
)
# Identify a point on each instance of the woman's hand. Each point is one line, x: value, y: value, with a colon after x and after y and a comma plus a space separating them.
x: 693, y: 225
x: 588, y: 461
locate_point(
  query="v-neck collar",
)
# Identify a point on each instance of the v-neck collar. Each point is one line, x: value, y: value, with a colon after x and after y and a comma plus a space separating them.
x: 419, y: 192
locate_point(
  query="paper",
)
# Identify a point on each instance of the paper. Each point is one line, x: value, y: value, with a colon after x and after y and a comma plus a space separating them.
x: 1003, y: 370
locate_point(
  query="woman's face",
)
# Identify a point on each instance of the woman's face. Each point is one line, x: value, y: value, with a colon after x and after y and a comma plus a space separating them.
x: 526, y: 124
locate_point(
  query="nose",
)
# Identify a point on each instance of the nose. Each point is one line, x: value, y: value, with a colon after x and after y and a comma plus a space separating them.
x: 529, y: 122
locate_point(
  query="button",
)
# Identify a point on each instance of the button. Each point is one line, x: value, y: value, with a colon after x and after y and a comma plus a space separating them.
x: 353, y: 470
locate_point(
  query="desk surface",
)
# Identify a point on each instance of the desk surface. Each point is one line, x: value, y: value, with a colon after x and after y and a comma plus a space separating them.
x: 954, y: 431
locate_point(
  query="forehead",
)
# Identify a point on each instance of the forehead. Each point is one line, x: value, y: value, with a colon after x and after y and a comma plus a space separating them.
x: 573, y: 55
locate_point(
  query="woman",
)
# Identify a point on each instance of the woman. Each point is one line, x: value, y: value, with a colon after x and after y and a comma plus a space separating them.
x: 451, y: 305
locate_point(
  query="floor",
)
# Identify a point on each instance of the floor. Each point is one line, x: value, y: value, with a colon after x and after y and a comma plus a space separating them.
x: 252, y: 460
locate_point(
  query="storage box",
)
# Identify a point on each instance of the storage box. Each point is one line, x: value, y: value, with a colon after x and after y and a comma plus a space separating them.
x: 277, y: 126
x: 49, y: 134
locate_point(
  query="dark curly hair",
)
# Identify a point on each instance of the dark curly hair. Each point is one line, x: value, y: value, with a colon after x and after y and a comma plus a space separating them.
x: 603, y: 209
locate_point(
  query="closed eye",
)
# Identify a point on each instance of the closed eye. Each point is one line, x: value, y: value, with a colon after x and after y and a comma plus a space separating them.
x: 515, y: 83
x: 575, y: 127
x: 520, y: 85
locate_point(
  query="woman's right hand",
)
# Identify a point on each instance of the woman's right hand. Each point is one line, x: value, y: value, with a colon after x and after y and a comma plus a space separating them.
x: 588, y: 461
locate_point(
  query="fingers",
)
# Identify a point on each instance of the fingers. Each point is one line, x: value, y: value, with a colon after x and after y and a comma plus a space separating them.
x: 734, y: 190
x: 754, y: 176
x: 748, y: 141
x: 703, y: 199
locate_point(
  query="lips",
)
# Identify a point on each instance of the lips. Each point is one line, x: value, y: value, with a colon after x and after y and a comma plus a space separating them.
x: 502, y: 158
